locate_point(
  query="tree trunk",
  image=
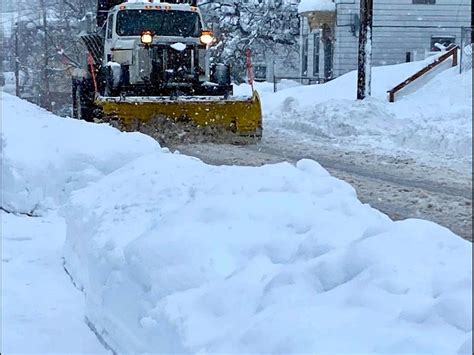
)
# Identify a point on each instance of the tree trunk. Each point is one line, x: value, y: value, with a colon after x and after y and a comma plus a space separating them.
x: 17, y: 63
x: 45, y: 98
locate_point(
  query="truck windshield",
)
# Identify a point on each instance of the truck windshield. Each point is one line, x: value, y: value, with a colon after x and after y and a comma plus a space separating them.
x: 160, y: 23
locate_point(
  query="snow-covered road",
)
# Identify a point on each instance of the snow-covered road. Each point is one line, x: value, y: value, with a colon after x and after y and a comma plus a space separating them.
x: 42, y: 312
x: 401, y: 188
x: 412, y: 158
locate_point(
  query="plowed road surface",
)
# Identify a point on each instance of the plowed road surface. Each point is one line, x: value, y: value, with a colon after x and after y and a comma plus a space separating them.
x: 399, y: 188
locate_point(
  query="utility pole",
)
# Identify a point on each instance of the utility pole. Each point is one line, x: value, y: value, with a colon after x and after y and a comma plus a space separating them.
x: 472, y: 21
x: 365, y: 49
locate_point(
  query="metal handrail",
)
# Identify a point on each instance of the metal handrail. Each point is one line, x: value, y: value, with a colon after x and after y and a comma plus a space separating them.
x: 453, y: 52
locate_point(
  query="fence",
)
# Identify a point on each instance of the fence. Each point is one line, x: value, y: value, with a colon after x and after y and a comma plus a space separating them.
x: 466, y: 49
x: 304, y: 80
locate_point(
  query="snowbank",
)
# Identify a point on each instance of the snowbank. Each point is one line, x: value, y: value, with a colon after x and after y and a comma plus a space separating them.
x: 431, y: 121
x: 177, y: 256
x: 45, y: 157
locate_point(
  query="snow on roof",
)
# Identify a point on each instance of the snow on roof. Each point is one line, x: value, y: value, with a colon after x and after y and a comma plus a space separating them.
x: 316, y: 5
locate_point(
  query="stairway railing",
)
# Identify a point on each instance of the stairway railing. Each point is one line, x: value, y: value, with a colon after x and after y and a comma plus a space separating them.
x: 453, y: 52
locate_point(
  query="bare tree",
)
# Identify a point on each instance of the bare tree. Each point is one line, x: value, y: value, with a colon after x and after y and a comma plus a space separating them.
x: 265, y: 27
x: 45, y: 31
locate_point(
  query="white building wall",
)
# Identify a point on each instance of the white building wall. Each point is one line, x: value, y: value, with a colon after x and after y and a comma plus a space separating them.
x: 399, y: 27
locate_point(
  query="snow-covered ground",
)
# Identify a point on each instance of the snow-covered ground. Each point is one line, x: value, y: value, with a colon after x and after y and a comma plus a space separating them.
x: 174, y: 255
x: 43, y: 159
x: 9, y: 86
x: 42, y: 312
x: 430, y: 121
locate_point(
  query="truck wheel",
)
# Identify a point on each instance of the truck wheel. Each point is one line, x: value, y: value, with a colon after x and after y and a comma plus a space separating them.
x: 83, y: 105
x: 106, y: 87
x: 220, y: 74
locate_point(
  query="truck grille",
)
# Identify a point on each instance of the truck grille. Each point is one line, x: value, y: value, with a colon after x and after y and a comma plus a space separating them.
x: 168, y: 60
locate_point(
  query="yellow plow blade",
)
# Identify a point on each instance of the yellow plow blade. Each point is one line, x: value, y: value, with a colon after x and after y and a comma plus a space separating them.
x: 242, y: 116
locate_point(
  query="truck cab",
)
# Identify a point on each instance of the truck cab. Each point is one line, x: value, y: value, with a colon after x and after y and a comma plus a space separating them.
x: 159, y: 48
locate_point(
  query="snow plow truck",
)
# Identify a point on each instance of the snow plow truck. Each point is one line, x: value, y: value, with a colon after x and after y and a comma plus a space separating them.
x: 145, y: 60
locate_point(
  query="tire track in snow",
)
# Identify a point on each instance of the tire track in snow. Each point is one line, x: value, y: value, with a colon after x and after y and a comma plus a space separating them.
x: 400, y: 188
x: 353, y: 168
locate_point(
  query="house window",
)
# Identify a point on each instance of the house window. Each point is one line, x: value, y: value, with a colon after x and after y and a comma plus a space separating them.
x: 440, y: 42
x: 260, y: 72
x: 304, y: 59
x: 316, y: 55
x: 424, y: 2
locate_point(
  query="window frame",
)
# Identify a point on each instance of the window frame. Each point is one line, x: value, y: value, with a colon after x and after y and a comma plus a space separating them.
x: 423, y: 2
x: 198, y: 24
x: 316, y: 57
x: 305, y: 54
x: 110, y: 27
x: 439, y: 38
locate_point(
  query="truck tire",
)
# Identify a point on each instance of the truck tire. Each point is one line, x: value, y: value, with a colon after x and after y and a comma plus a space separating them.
x: 83, y: 103
x: 220, y: 74
x: 106, y: 80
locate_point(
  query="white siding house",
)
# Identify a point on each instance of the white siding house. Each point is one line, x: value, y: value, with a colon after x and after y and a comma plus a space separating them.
x: 403, y: 30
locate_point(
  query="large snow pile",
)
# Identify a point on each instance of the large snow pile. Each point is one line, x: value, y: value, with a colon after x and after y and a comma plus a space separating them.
x: 430, y: 120
x: 46, y: 157
x: 179, y: 256
x: 175, y: 255
x: 316, y: 5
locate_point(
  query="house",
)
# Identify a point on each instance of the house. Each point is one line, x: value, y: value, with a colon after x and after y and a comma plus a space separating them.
x: 403, y: 30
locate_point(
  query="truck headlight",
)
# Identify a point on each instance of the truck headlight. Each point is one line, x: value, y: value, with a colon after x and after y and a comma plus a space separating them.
x: 206, y: 37
x: 146, y: 37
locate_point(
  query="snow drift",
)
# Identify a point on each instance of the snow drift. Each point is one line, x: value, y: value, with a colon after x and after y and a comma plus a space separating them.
x: 45, y: 157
